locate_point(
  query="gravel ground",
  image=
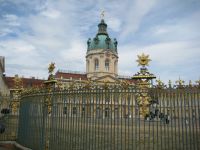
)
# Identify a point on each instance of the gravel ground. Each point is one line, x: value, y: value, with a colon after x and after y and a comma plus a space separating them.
x: 8, y: 147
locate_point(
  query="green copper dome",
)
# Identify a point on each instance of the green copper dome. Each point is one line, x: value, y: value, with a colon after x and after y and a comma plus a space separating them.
x: 102, y: 39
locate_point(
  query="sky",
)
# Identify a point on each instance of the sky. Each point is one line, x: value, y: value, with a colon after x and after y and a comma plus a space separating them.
x: 35, y: 33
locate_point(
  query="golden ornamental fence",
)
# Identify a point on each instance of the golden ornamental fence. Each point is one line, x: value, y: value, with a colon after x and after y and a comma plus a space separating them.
x: 107, y: 116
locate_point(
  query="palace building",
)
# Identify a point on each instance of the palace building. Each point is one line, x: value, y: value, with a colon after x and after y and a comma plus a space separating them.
x: 102, y: 56
x: 101, y: 60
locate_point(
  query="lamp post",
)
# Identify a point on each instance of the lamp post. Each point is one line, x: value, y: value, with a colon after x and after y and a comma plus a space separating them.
x: 49, y: 86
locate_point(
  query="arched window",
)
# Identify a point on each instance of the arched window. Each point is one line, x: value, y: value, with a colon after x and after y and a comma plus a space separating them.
x: 96, y: 64
x: 107, y: 65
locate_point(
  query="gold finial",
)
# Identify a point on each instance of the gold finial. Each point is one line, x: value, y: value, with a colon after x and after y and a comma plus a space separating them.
x: 198, y: 82
x: 180, y: 82
x: 17, y: 82
x: 190, y: 82
x: 102, y: 14
x: 143, y: 60
x: 170, y: 83
x: 51, y: 67
x: 159, y: 82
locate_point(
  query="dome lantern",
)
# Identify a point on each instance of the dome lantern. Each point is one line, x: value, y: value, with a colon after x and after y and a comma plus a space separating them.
x: 102, y: 28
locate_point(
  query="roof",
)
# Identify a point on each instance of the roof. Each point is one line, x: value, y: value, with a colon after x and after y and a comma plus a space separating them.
x: 27, y: 82
x: 83, y: 76
x: 75, y: 76
x: 102, y: 43
x: 32, y: 82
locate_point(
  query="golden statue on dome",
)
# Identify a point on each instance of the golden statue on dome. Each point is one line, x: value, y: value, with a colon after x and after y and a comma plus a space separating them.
x: 102, y: 14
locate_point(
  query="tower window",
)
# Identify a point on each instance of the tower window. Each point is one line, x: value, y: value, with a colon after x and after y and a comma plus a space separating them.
x: 88, y: 65
x: 107, y: 65
x: 96, y: 64
x: 115, y: 67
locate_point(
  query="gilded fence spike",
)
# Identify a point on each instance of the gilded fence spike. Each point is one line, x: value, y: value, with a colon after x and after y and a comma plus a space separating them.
x: 180, y: 83
x: 160, y: 84
x: 170, y: 83
x: 190, y: 83
x: 198, y: 83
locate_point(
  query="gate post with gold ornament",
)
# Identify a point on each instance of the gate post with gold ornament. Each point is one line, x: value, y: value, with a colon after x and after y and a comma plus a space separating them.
x: 50, y: 85
x: 143, y: 81
x: 48, y: 103
x: 15, y: 94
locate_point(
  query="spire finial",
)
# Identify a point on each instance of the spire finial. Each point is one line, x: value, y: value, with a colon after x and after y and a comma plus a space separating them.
x: 102, y: 14
x: 102, y: 25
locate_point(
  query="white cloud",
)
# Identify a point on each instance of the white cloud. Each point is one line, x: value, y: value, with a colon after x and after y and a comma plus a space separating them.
x: 11, y: 20
x: 8, y: 24
x: 17, y: 47
x: 168, y: 54
x: 51, y: 13
x: 5, y: 31
x: 21, y: 58
x: 50, y: 37
x: 114, y: 23
x: 135, y: 15
x: 181, y: 29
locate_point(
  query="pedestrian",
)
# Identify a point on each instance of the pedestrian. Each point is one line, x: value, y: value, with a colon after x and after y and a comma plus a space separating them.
x: 167, y: 119
x: 2, y: 128
x: 186, y: 122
